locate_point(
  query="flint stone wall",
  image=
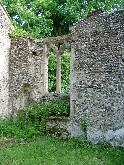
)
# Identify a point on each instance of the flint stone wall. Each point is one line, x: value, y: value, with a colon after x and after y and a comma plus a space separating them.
x: 5, y: 26
x: 97, y: 77
x: 25, y: 73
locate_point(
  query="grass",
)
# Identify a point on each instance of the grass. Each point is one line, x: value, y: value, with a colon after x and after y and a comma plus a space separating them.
x: 23, y: 142
x: 50, y: 151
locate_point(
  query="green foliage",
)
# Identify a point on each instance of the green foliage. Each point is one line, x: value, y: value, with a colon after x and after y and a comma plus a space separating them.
x: 65, y: 72
x: 84, y: 125
x: 84, y: 128
x: 30, y: 16
x: 52, y: 73
x: 17, y: 32
x: 8, y: 128
x: 42, y: 18
x: 31, y: 122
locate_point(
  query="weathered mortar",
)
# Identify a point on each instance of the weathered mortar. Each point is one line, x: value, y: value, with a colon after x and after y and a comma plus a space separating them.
x: 97, y: 77
x: 58, y: 127
x: 25, y: 72
x: 5, y: 26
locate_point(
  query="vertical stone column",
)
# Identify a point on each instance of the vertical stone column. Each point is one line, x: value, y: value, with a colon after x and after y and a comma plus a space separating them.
x: 72, y: 81
x: 45, y: 75
x: 4, y: 92
x: 58, y: 74
x: 5, y: 27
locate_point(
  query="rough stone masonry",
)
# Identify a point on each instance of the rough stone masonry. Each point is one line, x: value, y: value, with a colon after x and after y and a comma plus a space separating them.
x: 21, y: 69
x: 5, y: 26
x: 25, y: 73
x: 97, y: 77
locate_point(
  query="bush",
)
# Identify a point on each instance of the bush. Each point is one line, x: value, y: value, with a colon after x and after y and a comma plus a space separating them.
x: 18, y: 32
x: 31, y: 122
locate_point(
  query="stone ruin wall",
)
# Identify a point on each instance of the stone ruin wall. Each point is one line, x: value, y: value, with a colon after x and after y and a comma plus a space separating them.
x: 97, y: 77
x: 25, y: 72
x: 21, y: 69
x: 5, y: 27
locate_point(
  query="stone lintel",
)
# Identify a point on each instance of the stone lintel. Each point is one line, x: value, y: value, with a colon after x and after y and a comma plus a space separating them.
x: 56, y: 40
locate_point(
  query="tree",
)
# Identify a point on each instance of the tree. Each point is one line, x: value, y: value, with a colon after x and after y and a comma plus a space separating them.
x: 42, y: 18
x: 30, y: 16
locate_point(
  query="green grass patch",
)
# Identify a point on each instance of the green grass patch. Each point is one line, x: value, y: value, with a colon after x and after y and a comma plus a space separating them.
x: 22, y: 141
x: 50, y: 151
